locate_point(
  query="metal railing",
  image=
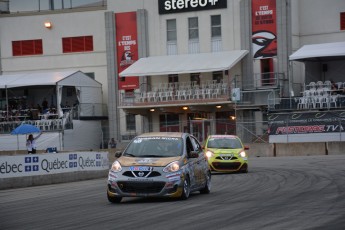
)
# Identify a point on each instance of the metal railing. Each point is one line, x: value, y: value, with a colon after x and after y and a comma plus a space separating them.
x: 304, y: 104
x: 177, y: 93
x: 262, y: 81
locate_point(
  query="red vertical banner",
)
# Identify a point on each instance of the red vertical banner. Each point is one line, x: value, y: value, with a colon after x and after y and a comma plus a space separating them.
x: 264, y: 28
x: 127, y: 47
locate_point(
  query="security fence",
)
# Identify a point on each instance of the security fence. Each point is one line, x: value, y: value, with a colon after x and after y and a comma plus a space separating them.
x: 249, y: 131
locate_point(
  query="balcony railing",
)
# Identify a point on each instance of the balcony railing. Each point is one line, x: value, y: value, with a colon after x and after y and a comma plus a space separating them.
x: 303, y: 103
x: 262, y: 81
x: 175, y: 93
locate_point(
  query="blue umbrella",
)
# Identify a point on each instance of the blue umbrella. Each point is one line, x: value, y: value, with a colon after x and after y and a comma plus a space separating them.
x: 24, y: 129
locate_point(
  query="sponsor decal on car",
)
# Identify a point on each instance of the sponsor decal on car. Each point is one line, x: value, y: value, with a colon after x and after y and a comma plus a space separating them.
x: 140, y: 168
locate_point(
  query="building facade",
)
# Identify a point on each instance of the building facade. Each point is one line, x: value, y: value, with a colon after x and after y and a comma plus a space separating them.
x: 205, y: 67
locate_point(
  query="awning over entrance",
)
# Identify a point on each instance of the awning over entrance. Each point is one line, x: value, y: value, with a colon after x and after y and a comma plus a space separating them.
x: 320, y: 52
x: 186, y: 63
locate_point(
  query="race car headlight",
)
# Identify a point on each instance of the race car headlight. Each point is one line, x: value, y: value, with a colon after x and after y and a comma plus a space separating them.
x: 116, y: 167
x: 209, y: 154
x: 172, y: 167
x: 243, y: 154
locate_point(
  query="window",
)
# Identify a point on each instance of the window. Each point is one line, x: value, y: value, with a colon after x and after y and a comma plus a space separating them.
x: 130, y: 121
x: 196, y: 146
x: 91, y: 75
x: 171, y: 37
x: 172, y: 78
x: 193, y: 28
x: 77, y: 44
x: 342, y: 21
x: 169, y: 123
x: 216, y: 26
x: 217, y: 76
x: 195, y: 78
x: 171, y: 30
x: 27, y: 47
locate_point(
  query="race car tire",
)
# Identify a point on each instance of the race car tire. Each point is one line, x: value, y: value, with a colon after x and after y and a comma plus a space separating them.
x: 114, y: 199
x: 186, y: 189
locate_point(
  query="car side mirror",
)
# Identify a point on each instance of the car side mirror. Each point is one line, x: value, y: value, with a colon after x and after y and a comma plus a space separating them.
x: 246, y: 147
x: 193, y: 154
x: 118, y: 154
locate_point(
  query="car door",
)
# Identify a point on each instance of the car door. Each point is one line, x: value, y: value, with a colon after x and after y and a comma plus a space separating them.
x: 192, y: 163
x: 199, y: 162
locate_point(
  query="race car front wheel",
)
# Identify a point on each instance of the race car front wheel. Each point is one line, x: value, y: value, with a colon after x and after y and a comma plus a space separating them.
x: 186, y: 189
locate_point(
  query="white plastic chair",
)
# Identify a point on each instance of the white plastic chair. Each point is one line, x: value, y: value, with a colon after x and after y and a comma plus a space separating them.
x: 216, y: 93
x: 319, y: 84
x: 339, y: 85
x: 302, y: 103
x: 208, y: 93
x: 142, y: 97
x: 325, y: 101
x: 312, y: 85
x: 318, y: 101
x: 333, y: 100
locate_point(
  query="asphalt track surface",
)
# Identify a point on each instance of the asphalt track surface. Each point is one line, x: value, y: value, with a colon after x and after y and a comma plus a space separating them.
x: 277, y: 193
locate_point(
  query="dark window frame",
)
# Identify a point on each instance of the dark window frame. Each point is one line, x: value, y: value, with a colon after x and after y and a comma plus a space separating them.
x: 193, y: 28
x: 171, y: 30
x: 130, y: 122
x: 216, y: 26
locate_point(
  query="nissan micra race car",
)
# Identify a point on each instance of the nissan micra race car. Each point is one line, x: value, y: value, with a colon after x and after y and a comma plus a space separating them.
x: 226, y: 153
x: 159, y: 164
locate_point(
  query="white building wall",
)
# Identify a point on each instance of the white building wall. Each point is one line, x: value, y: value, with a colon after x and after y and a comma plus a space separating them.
x: 157, y: 25
x: 53, y: 59
x: 313, y: 21
x: 320, y: 21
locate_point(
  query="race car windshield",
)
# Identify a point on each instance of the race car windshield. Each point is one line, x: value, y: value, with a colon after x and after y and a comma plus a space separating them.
x: 155, y: 147
x: 224, y: 143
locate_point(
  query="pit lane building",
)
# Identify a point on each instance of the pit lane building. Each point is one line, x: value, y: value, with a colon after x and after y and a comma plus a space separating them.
x: 199, y: 66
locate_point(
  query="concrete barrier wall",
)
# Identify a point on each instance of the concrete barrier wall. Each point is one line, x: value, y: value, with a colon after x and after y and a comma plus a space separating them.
x: 260, y: 150
x: 295, y: 149
x: 19, y: 169
x: 21, y: 182
x: 255, y: 150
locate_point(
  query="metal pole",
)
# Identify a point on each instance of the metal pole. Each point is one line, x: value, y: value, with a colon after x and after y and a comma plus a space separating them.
x: 6, y: 103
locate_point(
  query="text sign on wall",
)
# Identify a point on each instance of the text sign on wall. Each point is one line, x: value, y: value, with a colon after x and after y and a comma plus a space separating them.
x: 179, y: 6
x: 306, y: 123
x: 264, y: 28
x: 52, y: 163
x: 127, y: 47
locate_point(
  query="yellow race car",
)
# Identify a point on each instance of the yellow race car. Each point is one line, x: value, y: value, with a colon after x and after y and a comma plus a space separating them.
x: 226, y: 153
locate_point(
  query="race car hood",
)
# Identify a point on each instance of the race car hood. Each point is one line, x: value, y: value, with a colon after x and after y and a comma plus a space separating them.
x: 149, y: 161
x: 225, y: 151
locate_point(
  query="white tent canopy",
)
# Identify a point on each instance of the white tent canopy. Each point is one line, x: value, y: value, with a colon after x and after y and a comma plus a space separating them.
x: 66, y: 78
x: 319, y: 52
x: 90, y: 91
x: 185, y: 63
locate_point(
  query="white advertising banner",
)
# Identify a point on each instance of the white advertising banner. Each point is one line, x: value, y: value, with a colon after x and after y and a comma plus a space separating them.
x: 52, y: 163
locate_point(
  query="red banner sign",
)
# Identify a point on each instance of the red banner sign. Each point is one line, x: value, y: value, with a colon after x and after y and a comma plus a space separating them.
x: 127, y: 47
x: 264, y: 28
